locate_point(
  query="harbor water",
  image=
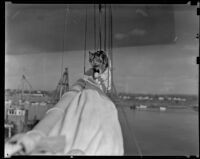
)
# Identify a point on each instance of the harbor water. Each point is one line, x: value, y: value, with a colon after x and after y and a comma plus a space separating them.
x: 154, y: 132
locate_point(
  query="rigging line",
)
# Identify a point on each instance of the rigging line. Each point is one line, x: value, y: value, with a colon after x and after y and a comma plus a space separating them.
x: 110, y: 32
x: 107, y: 49
x: 105, y: 32
x: 85, y: 39
x: 94, y: 27
x: 99, y: 26
x: 105, y: 44
x: 65, y: 24
x: 109, y: 44
x: 111, y: 47
x: 132, y: 132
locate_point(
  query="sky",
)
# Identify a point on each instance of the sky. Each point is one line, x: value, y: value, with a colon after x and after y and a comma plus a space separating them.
x: 154, y: 48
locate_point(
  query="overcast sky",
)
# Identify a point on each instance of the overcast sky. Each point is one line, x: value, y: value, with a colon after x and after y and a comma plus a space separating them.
x: 154, y: 46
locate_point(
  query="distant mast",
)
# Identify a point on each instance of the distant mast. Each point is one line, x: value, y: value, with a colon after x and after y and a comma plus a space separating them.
x: 63, y: 85
x: 25, y: 85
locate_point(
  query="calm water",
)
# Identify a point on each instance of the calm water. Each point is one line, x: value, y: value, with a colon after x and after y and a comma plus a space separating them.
x: 173, y: 132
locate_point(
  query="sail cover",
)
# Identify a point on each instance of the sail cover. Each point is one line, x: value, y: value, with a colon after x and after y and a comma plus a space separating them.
x: 89, y: 122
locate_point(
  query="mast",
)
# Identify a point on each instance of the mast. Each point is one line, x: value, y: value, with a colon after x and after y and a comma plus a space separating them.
x: 24, y: 83
x: 63, y: 85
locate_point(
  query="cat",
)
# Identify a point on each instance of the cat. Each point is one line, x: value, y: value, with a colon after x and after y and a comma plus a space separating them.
x: 98, y: 61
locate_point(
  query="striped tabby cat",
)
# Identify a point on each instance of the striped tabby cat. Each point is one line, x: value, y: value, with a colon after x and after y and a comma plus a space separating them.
x: 98, y: 61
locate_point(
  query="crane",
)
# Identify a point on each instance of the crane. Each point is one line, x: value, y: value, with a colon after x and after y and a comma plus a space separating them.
x: 63, y: 85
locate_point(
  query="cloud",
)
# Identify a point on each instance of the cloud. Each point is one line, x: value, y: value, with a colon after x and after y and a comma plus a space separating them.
x: 138, y: 32
x: 134, y: 32
x: 191, y: 47
x: 120, y: 36
x: 142, y: 12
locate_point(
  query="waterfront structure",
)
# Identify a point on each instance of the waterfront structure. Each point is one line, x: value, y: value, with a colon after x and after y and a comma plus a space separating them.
x: 160, y: 98
x: 163, y: 108
x: 9, y: 127
x: 18, y: 116
x: 6, y: 107
x: 141, y: 107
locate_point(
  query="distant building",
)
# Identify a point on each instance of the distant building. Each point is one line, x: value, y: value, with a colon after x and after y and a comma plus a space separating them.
x: 8, y: 103
x: 7, y: 106
x: 160, y: 98
x: 139, y: 98
x: 9, y: 128
x: 126, y: 97
x: 163, y: 108
x: 180, y: 99
x: 37, y: 111
x: 169, y: 98
x: 146, y: 98
x: 174, y: 98
x: 38, y: 94
x: 18, y: 117
x: 38, y: 91
x: 34, y: 103
x: 183, y: 99
x: 141, y: 107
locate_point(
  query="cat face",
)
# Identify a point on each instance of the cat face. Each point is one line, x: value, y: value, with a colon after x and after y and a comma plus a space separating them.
x: 98, y: 60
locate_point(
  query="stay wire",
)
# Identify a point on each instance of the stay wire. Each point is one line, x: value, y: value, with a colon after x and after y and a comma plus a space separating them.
x: 109, y: 48
x: 85, y: 41
x: 132, y: 132
x: 105, y: 30
x: 99, y: 26
x: 111, y: 65
x: 66, y: 14
x: 94, y: 27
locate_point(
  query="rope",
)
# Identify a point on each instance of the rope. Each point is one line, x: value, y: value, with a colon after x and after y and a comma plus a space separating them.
x: 109, y: 47
x: 62, y: 56
x: 134, y: 137
x: 111, y: 31
x: 105, y: 32
x: 85, y: 39
x: 99, y: 26
x: 105, y: 46
x: 65, y: 24
x: 105, y: 37
x: 94, y: 27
